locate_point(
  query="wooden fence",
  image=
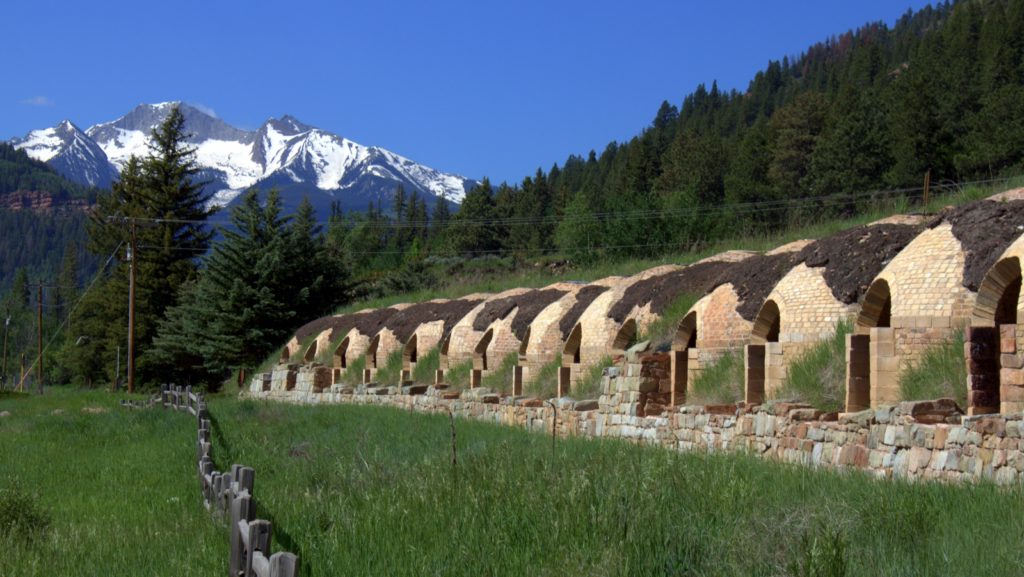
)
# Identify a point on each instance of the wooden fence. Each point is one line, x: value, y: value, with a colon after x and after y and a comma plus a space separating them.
x: 230, y: 494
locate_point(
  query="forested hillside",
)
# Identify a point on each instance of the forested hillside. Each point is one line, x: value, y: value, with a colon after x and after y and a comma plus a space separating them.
x: 873, y: 109
x: 41, y: 214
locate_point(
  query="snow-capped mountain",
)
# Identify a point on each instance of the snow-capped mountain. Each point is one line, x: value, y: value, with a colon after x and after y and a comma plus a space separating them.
x: 71, y: 153
x: 284, y: 153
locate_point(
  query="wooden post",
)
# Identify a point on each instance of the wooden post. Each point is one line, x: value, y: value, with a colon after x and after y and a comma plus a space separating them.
x: 21, y: 382
x: 927, y: 185
x: 284, y: 565
x: 7, y: 324
x: 242, y: 509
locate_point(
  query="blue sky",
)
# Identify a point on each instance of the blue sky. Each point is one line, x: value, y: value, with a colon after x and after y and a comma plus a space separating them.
x: 478, y: 88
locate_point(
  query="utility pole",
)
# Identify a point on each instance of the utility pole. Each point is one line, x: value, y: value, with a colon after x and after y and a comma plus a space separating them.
x: 131, y: 307
x: 7, y: 324
x: 39, y: 334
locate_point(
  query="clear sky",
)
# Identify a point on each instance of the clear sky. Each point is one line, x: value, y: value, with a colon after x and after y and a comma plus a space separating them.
x: 478, y: 88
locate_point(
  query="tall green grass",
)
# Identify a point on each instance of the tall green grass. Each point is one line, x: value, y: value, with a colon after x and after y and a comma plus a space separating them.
x: 721, y: 382
x: 390, y: 374
x: 457, y: 377
x: 372, y: 491
x: 545, y: 385
x: 500, y: 380
x: 818, y: 376
x: 427, y: 366
x: 110, y: 493
x: 589, y: 385
x: 941, y: 372
x: 353, y: 375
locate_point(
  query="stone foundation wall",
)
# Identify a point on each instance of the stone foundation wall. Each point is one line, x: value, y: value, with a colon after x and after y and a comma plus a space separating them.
x: 914, y: 440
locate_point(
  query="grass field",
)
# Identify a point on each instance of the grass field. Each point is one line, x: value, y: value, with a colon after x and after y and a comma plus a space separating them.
x: 372, y: 491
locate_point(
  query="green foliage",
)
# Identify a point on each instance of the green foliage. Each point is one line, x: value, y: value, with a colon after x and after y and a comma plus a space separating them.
x: 589, y: 385
x: 500, y: 380
x: 818, y: 376
x: 721, y: 382
x: 427, y: 366
x: 545, y: 385
x: 20, y: 173
x: 822, y: 553
x: 941, y: 372
x: 457, y: 377
x: 662, y: 332
x: 268, y: 275
x: 353, y: 375
x: 22, y: 517
x: 390, y: 374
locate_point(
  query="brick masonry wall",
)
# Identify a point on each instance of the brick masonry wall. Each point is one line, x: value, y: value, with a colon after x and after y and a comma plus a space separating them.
x: 808, y: 314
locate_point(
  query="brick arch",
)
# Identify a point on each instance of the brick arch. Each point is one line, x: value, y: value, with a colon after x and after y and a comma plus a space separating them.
x: 341, y: 354
x: 525, y: 345
x: 994, y: 360
x: 684, y: 341
x: 998, y: 295
x: 286, y: 354
x: 686, y: 333
x: 310, y: 353
x: 480, y: 350
x: 410, y: 353
x: 570, y: 359
x: 768, y: 323
x: 876, y: 311
x: 626, y: 337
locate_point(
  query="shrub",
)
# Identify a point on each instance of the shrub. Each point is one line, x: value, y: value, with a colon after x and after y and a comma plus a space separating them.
x: 941, y: 372
x: 720, y: 382
x: 818, y: 376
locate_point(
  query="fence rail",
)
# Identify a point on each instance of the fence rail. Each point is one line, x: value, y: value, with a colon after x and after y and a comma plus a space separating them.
x: 230, y: 494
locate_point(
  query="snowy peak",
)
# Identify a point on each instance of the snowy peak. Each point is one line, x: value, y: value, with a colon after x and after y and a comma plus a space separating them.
x: 283, y: 152
x: 70, y: 152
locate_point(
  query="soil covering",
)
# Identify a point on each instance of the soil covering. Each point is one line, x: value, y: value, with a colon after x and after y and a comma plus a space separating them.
x: 754, y: 278
x: 984, y: 228
x: 586, y: 296
x: 661, y: 290
x: 405, y: 322
x: 368, y: 323
x: 529, y: 305
x: 854, y: 257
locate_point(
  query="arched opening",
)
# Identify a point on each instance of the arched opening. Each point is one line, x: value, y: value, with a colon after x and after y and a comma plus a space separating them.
x: 994, y: 367
x: 684, y: 346
x: 442, y: 360
x: 480, y: 359
x: 764, y: 355
x: 519, y: 371
x: 286, y: 355
x: 310, y: 352
x: 871, y: 363
x: 371, y: 360
x: 626, y: 337
x: 570, y: 359
x: 409, y: 358
x: 340, y: 359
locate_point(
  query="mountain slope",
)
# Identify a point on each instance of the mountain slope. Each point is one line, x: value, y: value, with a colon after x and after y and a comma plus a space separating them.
x: 283, y: 152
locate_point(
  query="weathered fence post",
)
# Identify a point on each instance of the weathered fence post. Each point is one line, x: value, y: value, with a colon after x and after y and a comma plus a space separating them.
x: 260, y: 532
x: 284, y: 565
x: 242, y: 509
